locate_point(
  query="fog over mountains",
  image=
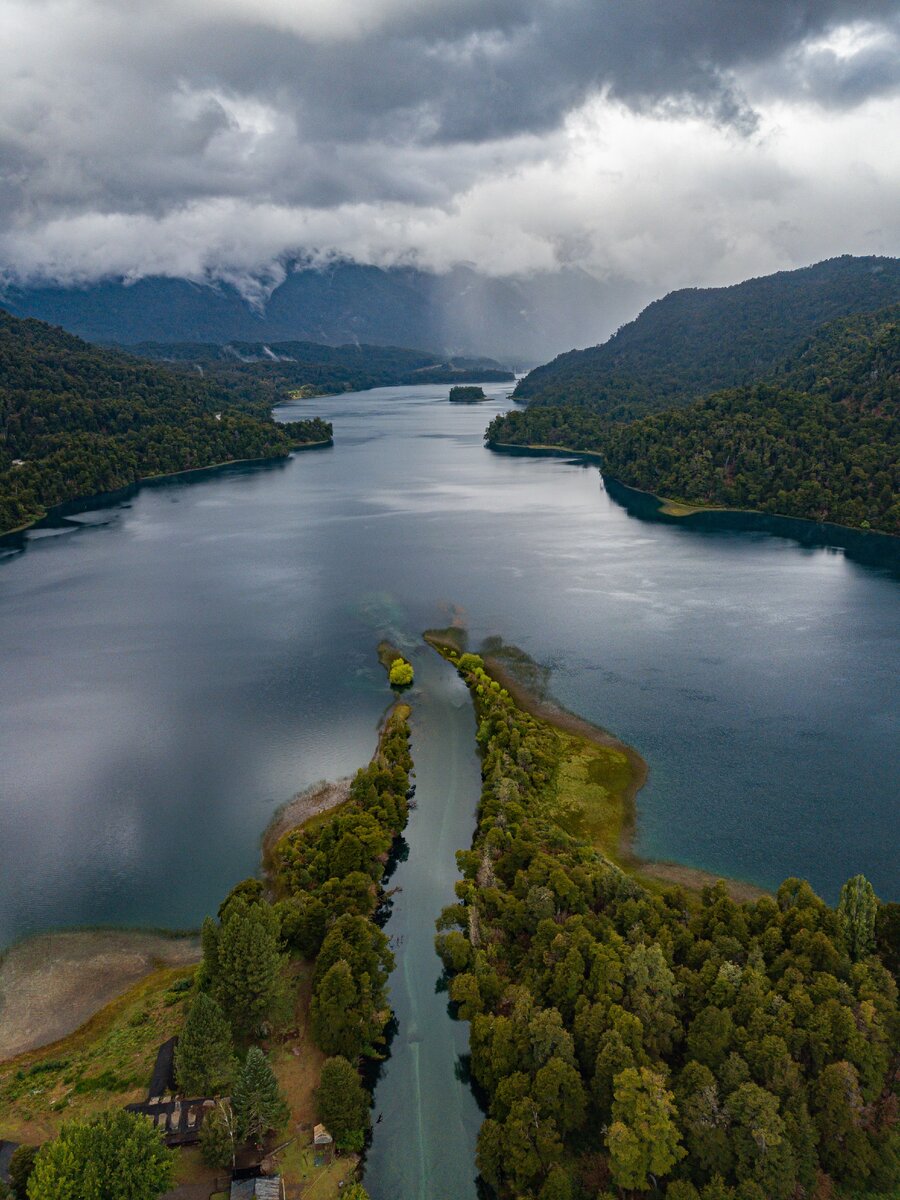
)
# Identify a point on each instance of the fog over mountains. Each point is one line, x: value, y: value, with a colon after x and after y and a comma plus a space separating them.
x: 525, y: 319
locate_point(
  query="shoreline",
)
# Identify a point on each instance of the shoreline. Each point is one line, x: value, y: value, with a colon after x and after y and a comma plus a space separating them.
x: 136, y: 483
x: 313, y: 801
x: 676, y: 509
x: 567, y: 722
x: 62, y: 980
x: 54, y: 984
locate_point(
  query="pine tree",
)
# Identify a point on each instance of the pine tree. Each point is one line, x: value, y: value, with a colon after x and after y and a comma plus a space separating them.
x: 204, y: 1055
x: 343, y: 1103
x: 336, y: 1024
x: 248, y: 964
x: 857, y: 910
x: 258, y: 1105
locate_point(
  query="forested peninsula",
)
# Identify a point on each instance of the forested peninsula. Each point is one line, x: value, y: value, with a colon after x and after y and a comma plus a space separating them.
x: 274, y: 1027
x: 817, y: 438
x: 632, y: 1038
x: 76, y: 420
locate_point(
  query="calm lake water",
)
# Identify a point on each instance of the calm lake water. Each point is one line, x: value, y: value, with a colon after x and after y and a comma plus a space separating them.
x: 177, y: 664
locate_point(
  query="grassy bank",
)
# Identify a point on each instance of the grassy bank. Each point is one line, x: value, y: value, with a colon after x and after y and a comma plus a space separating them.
x: 52, y: 984
x: 104, y: 1064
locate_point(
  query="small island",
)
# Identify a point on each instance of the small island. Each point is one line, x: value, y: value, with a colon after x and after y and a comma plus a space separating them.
x: 467, y: 394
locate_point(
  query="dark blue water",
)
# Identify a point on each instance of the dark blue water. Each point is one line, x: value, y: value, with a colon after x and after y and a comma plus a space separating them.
x: 179, y: 664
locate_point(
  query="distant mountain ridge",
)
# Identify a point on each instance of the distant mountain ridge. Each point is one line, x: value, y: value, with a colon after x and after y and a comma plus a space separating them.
x: 462, y: 312
x: 318, y: 369
x: 698, y: 340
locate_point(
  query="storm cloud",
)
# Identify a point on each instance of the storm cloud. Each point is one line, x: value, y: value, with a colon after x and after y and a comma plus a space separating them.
x: 677, y: 142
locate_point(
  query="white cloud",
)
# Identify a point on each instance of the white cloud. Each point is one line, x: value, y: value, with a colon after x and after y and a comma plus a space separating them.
x: 215, y: 137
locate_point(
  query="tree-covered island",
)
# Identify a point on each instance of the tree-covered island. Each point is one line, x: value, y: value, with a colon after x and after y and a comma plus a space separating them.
x: 466, y: 395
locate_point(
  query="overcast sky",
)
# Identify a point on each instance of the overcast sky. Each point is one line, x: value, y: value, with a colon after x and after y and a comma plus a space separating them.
x: 670, y: 142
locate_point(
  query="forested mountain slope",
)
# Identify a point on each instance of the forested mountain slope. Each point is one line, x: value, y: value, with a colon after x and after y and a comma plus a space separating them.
x: 698, y: 340
x: 319, y: 368
x: 76, y: 420
x: 818, y: 439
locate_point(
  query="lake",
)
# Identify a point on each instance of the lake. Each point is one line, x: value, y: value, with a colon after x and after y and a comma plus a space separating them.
x: 178, y: 664
x: 179, y: 661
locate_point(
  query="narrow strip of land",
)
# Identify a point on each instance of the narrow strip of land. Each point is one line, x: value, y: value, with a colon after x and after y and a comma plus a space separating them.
x: 609, y: 808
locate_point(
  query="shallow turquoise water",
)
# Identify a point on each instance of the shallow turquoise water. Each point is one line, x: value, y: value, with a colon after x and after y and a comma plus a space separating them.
x: 426, y: 1115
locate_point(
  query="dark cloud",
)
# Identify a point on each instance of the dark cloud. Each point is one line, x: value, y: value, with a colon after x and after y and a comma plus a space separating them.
x: 119, y: 109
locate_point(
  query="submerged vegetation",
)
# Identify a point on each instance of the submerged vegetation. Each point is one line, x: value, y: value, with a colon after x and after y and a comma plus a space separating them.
x: 818, y: 439
x: 76, y: 420
x: 630, y: 1040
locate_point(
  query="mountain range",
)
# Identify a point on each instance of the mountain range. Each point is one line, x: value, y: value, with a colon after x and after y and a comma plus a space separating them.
x: 522, y: 320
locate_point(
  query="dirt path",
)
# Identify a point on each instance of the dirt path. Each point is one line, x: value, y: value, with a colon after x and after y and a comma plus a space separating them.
x: 50, y: 985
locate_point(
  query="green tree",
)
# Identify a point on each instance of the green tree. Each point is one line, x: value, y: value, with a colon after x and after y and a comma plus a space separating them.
x: 339, y: 1023
x: 643, y: 1139
x: 248, y: 964
x: 258, y: 1104
x: 116, y: 1156
x: 401, y: 673
x: 857, y: 910
x: 204, y: 1056
x: 758, y: 1138
x: 343, y: 1103
x: 217, y: 1135
x: 20, y: 1167
x: 559, y: 1093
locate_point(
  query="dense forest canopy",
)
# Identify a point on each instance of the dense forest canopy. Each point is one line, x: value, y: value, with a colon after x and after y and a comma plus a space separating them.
x: 76, y: 420
x: 698, y: 340
x: 318, y: 369
x: 631, y: 1041
x: 817, y: 439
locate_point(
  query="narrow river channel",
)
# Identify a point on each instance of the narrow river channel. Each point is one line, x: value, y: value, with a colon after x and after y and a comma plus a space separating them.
x: 423, y: 1146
